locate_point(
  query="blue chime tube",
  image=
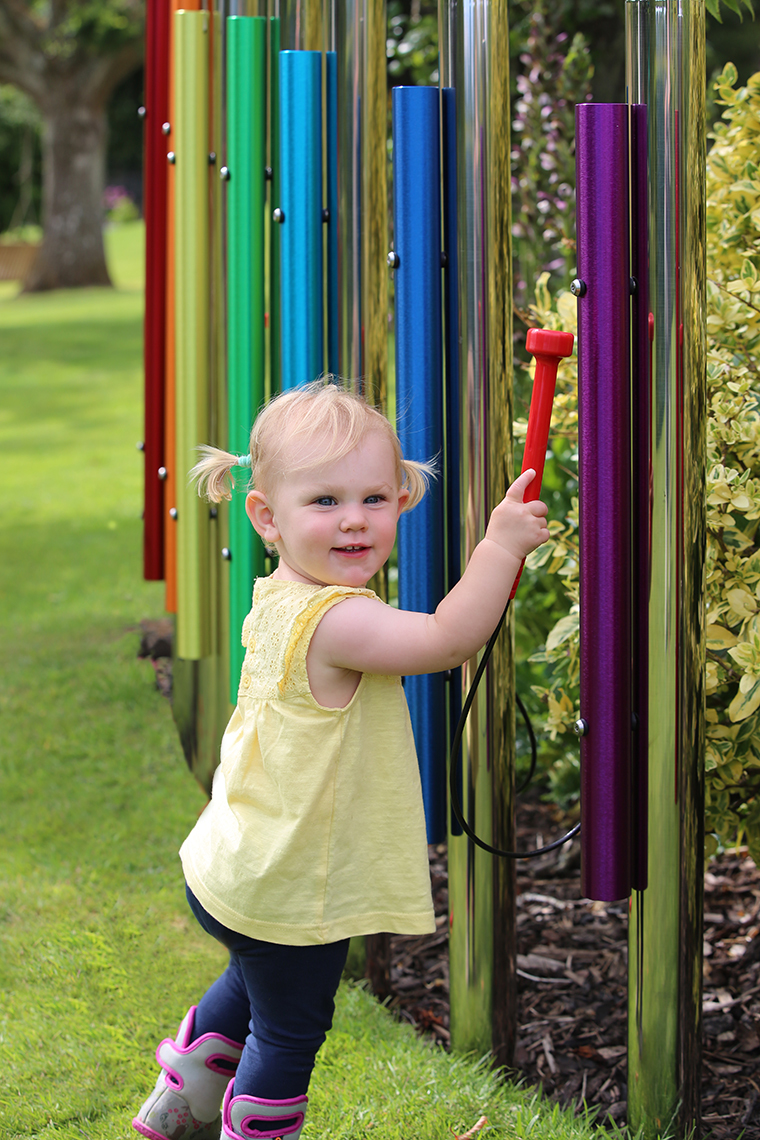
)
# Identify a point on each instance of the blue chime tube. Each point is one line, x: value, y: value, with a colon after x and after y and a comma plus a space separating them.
x: 419, y: 407
x: 301, y: 319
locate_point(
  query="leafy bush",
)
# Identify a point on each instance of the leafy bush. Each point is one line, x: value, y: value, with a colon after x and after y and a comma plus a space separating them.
x: 732, y: 758
x: 118, y: 205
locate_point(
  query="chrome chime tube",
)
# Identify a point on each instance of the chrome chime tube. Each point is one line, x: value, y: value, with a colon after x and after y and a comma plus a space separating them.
x: 665, y: 71
x: 474, y: 53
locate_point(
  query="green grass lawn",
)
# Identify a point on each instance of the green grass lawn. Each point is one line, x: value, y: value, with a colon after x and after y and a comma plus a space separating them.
x: 99, y: 957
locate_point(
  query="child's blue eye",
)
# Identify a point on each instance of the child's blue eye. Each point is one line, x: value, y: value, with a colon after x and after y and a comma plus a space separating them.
x: 325, y: 501
x: 375, y: 499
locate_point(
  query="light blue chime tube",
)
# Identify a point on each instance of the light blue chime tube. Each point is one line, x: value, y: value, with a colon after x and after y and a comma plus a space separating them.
x: 419, y: 407
x: 301, y: 319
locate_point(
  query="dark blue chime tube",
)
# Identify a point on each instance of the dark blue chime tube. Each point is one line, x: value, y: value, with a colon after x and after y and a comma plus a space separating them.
x: 302, y: 358
x: 419, y: 407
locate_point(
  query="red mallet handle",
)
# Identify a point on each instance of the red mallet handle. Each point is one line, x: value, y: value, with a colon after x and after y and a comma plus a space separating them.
x: 548, y: 346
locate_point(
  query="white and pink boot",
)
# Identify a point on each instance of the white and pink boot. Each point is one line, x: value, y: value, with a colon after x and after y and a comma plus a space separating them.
x: 251, y: 1118
x: 194, y: 1074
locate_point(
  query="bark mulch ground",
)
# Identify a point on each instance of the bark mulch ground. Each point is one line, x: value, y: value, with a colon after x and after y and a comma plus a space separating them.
x: 572, y: 972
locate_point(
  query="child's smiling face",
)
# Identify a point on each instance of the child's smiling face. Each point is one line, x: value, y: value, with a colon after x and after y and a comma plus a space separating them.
x: 333, y: 522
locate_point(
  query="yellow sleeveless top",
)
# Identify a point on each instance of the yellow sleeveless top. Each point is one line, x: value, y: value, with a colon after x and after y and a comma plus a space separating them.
x: 315, y: 830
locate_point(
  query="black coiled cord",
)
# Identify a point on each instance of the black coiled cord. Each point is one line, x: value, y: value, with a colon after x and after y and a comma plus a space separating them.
x: 454, y: 765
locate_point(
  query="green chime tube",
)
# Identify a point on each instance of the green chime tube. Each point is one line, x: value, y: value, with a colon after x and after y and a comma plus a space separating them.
x: 273, y: 296
x: 192, y: 301
x: 246, y: 164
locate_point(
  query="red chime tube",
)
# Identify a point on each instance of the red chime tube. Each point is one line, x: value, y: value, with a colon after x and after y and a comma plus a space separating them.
x: 156, y: 114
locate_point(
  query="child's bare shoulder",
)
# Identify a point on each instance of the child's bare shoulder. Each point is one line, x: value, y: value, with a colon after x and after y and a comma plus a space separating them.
x: 354, y: 618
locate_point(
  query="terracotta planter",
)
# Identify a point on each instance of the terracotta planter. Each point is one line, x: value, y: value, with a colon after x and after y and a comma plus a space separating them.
x: 16, y: 260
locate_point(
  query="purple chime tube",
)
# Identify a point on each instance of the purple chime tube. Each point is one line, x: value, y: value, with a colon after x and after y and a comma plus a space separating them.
x: 641, y: 493
x: 604, y: 428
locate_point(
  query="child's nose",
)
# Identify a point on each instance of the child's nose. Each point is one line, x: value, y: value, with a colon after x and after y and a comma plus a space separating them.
x: 353, y: 518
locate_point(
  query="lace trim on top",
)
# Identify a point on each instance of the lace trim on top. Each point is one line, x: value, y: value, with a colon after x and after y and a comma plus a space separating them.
x: 277, y: 632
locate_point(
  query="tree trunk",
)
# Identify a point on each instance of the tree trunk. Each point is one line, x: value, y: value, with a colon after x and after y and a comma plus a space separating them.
x: 73, y: 167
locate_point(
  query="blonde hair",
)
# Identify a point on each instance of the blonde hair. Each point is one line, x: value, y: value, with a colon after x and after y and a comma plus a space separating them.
x: 321, y: 409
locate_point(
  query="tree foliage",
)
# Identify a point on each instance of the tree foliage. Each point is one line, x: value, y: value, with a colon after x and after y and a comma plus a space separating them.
x: 412, y: 44
x: 40, y: 40
x: 732, y: 759
x: 67, y: 56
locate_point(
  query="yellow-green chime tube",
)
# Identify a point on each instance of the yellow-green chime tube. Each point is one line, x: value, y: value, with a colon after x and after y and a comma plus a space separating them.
x: 192, y: 301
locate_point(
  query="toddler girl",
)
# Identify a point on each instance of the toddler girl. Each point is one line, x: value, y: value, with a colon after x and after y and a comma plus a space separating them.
x: 315, y: 830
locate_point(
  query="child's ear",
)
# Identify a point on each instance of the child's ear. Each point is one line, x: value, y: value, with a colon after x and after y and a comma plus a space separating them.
x: 403, y: 499
x: 262, y: 519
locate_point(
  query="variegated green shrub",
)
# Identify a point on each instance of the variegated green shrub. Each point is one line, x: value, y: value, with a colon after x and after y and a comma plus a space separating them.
x: 732, y: 757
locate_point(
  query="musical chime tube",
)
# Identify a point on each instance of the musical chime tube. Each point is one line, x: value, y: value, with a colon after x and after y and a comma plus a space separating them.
x: 192, y: 302
x: 155, y: 115
x: 604, y: 448
x: 665, y: 72
x: 246, y: 361
x: 301, y: 219
x: 474, y: 69
x: 416, y: 260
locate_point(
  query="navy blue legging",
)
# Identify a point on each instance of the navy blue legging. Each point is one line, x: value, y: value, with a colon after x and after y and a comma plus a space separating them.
x: 278, y: 999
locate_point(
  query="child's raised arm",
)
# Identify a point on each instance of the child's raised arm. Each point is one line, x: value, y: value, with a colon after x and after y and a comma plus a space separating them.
x: 367, y: 636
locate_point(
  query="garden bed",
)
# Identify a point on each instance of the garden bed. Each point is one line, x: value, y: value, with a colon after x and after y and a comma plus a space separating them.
x: 572, y: 974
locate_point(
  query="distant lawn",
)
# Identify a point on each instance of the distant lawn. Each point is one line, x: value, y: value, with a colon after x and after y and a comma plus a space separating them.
x: 99, y: 957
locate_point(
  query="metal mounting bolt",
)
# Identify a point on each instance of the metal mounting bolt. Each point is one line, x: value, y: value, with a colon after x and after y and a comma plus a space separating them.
x: 268, y: 174
x: 142, y: 112
x: 174, y: 513
x: 578, y: 288
x: 325, y: 215
x: 212, y: 158
x: 580, y: 728
x: 632, y: 285
x: 278, y: 215
x: 166, y: 128
x: 393, y: 259
x: 225, y: 174
x: 444, y: 259
x: 140, y: 445
x: 171, y: 157
x: 163, y: 473
x: 226, y: 554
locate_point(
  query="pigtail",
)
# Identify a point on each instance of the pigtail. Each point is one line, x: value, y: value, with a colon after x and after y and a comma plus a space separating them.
x: 416, y: 478
x: 213, y: 472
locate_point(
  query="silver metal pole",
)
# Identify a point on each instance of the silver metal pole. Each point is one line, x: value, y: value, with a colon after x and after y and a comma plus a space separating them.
x: 300, y: 25
x: 666, y: 71
x: 347, y: 22
x: 474, y: 52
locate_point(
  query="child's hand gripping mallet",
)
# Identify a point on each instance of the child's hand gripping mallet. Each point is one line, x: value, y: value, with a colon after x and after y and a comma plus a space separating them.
x: 548, y: 346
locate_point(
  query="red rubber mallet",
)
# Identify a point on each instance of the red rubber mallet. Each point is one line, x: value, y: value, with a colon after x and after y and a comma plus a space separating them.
x: 548, y: 346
